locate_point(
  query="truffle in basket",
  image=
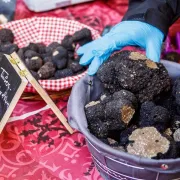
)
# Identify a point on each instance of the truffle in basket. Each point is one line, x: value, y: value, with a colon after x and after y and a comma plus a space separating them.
x: 140, y: 103
x: 134, y: 72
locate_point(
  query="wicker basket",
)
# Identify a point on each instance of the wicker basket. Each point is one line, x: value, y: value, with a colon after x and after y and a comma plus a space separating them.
x: 46, y: 30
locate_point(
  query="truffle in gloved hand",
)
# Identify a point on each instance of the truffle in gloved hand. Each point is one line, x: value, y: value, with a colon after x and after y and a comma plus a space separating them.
x: 126, y: 33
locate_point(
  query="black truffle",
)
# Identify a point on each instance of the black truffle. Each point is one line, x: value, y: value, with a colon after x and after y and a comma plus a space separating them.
x: 63, y: 73
x: 51, y: 47
x: 9, y: 48
x: 67, y: 43
x: 60, y: 57
x: 47, y: 71
x: 152, y: 115
x: 34, y: 63
x: 82, y: 37
x: 134, y: 72
x: 29, y: 54
x: 6, y: 35
x: 76, y: 67
x: 33, y: 47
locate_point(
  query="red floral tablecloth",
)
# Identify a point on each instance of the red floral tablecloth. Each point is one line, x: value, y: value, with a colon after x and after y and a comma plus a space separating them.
x: 34, y: 144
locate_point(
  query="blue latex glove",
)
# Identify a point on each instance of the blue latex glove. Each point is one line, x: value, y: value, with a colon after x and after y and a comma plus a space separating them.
x: 126, y: 33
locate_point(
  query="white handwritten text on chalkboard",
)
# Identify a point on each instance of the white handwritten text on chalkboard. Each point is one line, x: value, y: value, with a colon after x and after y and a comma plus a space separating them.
x: 4, y: 75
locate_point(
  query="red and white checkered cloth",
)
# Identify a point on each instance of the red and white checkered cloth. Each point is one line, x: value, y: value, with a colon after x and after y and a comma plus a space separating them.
x: 47, y: 30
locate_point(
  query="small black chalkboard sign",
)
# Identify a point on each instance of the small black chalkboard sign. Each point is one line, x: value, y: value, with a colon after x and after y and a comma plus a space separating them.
x: 14, y: 76
x: 12, y: 86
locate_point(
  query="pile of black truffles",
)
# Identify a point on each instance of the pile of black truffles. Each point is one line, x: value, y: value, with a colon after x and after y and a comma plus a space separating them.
x: 54, y: 61
x: 139, y: 109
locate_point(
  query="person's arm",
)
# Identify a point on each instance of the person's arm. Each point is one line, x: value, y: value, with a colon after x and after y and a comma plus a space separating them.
x: 159, y: 13
x: 145, y: 24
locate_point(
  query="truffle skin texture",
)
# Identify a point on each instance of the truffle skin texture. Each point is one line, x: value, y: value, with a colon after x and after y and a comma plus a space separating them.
x: 29, y: 54
x: 175, y: 123
x: 47, y: 59
x: 35, y: 75
x: 134, y: 72
x: 6, y: 35
x: 151, y: 115
x: 124, y: 94
x: 60, y: 57
x: 34, y: 63
x: 75, y: 66
x: 41, y: 48
x: 124, y: 135
x: 63, y: 73
x: 60, y: 64
x: 147, y: 142
x: 51, y: 47
x: 82, y: 37
x: 33, y: 47
x: 47, y: 71
x: 67, y: 43
x: 118, y: 113
x: 94, y: 110
x: 98, y: 128
x: 9, y: 48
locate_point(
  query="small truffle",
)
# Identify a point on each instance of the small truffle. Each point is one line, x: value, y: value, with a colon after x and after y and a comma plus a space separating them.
x: 46, y: 71
x: 6, y: 35
x: 51, y: 47
x: 29, y: 54
x: 76, y: 67
x: 60, y: 57
x: 63, y: 73
x: 147, y: 142
x: 152, y: 115
x: 34, y: 63
x: 82, y: 37
x: 94, y: 110
x: 41, y: 48
x: 67, y: 43
x: 9, y: 48
x: 98, y: 128
x: 33, y: 47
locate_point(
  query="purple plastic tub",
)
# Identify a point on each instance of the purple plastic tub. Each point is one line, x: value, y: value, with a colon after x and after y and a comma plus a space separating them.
x: 113, y: 164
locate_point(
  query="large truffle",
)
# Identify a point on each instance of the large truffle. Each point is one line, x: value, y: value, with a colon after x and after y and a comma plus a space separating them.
x: 134, y: 72
x: 147, y: 142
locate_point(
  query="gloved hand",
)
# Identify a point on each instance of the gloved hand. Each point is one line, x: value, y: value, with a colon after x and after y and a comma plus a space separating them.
x: 126, y: 33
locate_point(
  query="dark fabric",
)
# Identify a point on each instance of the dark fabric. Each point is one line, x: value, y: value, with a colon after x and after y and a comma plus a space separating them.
x: 159, y: 13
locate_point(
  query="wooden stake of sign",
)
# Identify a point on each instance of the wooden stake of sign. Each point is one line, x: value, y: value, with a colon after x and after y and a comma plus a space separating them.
x: 25, y: 72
